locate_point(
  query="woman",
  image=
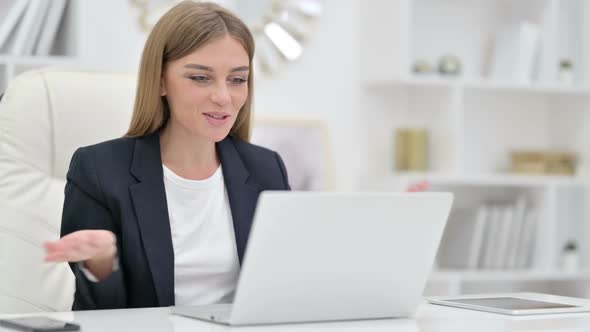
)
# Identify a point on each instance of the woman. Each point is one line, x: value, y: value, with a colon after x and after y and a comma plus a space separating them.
x: 161, y: 217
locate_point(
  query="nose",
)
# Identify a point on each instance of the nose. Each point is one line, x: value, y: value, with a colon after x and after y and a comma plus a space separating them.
x: 221, y: 96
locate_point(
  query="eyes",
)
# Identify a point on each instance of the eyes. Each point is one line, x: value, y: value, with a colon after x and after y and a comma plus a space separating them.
x: 204, y: 79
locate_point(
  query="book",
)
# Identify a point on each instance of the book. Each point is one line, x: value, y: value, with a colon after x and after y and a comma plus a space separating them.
x: 491, y: 237
x: 527, y: 238
x: 504, y: 228
x: 515, y: 52
x: 476, y: 250
x: 36, y: 27
x: 50, y: 27
x: 25, y: 27
x: 12, y: 11
x: 454, y: 251
x: 517, y: 224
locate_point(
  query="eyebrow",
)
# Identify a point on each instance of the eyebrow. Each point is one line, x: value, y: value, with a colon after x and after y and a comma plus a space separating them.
x: 207, y: 68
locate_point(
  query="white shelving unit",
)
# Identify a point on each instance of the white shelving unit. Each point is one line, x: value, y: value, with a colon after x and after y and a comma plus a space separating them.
x: 474, y: 122
x: 462, y: 282
x: 64, y: 52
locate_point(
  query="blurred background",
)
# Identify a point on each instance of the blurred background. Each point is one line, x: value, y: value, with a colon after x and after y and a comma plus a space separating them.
x: 488, y: 99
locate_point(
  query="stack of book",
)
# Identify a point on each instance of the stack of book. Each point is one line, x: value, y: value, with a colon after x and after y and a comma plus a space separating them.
x: 29, y: 27
x: 490, y: 236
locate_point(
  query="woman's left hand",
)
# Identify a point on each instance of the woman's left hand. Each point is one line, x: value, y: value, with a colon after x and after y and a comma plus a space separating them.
x: 419, y: 186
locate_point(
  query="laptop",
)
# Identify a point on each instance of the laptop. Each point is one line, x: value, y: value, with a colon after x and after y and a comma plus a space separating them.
x: 319, y: 256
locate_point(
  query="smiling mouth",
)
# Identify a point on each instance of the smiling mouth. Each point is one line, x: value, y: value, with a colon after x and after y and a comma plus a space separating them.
x: 217, y: 116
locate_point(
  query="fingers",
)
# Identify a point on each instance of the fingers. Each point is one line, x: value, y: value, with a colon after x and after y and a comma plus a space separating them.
x: 420, y: 186
x: 52, y: 245
x: 56, y: 257
x: 64, y: 251
x: 54, y: 251
x: 80, y: 246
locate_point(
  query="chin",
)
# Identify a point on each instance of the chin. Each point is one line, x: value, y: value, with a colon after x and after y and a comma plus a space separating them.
x: 218, y: 136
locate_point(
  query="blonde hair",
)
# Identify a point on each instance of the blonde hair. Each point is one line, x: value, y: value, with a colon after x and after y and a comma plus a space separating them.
x: 183, y: 29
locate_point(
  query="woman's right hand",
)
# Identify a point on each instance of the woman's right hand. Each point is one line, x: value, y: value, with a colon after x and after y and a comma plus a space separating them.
x: 96, y: 248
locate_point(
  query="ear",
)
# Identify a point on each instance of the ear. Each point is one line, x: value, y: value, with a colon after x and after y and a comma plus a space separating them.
x: 163, y: 91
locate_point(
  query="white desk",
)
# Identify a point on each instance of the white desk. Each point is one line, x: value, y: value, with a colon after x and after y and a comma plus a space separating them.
x: 429, y: 318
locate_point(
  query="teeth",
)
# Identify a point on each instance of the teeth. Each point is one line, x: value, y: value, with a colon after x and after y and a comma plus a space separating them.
x: 219, y: 117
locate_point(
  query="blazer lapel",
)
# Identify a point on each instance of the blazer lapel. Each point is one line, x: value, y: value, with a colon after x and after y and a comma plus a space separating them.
x: 242, y: 193
x: 149, y: 200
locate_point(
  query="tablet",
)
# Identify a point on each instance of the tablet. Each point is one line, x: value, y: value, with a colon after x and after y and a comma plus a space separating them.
x: 509, y: 304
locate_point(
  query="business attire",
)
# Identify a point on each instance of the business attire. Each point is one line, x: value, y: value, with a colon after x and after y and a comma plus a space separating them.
x: 119, y: 186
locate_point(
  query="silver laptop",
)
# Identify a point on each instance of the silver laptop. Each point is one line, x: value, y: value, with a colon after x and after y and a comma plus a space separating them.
x: 315, y: 256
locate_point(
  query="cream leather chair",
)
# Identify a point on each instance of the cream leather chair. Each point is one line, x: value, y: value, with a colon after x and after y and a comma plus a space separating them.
x: 44, y: 116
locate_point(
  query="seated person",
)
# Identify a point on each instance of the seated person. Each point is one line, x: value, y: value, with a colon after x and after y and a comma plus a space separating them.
x: 161, y: 216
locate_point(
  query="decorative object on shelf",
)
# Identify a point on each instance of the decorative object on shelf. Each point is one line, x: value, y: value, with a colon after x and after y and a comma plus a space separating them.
x: 280, y: 27
x: 514, y: 54
x: 150, y: 11
x: 422, y: 67
x: 543, y: 162
x: 411, y: 149
x: 449, y: 65
x: 566, y: 72
x: 570, y: 259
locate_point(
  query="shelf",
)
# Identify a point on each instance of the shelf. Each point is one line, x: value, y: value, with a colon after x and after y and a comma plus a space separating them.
x: 424, y: 81
x: 558, y: 89
x: 492, y: 179
x: 476, y: 120
x: 484, y: 85
x: 507, y: 275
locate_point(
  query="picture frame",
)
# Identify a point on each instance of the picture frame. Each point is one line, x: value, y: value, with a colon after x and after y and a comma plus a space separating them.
x: 303, y: 144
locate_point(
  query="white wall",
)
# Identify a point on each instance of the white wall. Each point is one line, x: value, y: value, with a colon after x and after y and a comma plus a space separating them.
x: 109, y: 35
x: 323, y: 83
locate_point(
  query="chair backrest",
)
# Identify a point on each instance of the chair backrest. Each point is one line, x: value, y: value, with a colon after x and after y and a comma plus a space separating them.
x: 44, y: 116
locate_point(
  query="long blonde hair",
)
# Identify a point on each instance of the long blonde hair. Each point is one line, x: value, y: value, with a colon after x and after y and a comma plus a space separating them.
x: 183, y: 29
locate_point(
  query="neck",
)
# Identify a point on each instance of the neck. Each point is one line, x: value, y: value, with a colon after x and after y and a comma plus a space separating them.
x: 189, y: 156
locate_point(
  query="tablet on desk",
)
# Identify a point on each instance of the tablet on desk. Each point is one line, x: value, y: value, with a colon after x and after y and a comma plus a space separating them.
x: 511, y: 304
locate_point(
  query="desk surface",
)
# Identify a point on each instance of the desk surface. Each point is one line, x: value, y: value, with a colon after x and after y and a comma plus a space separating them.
x: 428, y: 318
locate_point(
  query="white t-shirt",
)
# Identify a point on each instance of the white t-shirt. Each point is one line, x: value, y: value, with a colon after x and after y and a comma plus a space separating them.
x: 206, y: 265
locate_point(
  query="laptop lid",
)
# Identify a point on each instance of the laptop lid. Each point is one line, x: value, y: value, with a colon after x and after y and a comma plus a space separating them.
x: 316, y: 256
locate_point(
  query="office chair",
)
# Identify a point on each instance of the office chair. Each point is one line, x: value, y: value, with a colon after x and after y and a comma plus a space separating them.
x: 44, y: 116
